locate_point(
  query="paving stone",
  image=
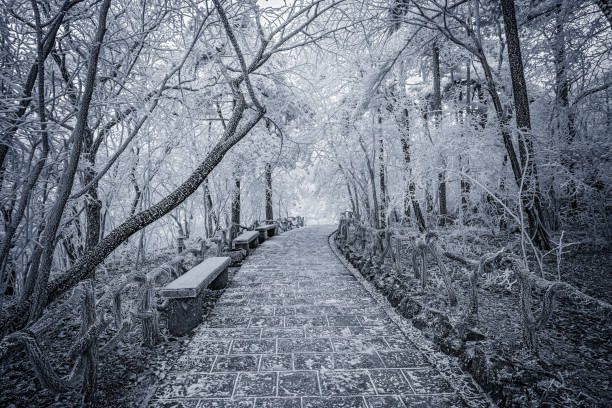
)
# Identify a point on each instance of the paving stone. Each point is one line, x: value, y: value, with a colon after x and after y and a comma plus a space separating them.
x: 226, y: 403
x: 227, y: 321
x: 305, y: 321
x: 276, y: 362
x: 298, y: 383
x: 236, y: 363
x: 357, y: 360
x: 228, y: 333
x: 256, y: 384
x: 194, y: 363
x: 303, y: 345
x: 333, y: 402
x: 284, y: 311
x: 390, y: 381
x: 427, y: 381
x: 282, y: 332
x: 278, y: 403
x: 359, y: 344
x: 327, y: 332
x: 313, y: 361
x: 268, y: 321
x: 402, y: 358
x: 343, y: 320
x: 253, y: 346
x: 201, y: 346
x: 387, y: 401
x: 335, y: 382
x: 175, y: 403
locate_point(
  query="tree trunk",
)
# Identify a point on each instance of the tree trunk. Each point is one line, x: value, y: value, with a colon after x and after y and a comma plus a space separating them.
x: 410, y: 188
x: 565, y: 115
x: 381, y: 174
x: 93, y: 205
x: 523, y: 122
x: 437, y: 113
x: 210, y: 213
x: 235, y: 209
x: 269, y: 211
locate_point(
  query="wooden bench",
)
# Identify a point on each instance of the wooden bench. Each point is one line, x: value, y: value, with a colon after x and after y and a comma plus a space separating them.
x: 185, y: 293
x: 266, y: 231
x: 247, y: 240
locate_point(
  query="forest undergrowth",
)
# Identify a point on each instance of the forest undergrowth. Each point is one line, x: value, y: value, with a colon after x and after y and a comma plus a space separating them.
x: 572, y: 366
x: 126, y: 375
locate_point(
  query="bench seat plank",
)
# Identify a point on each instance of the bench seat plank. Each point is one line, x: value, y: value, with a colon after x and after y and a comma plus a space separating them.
x: 246, y: 237
x: 266, y: 231
x: 200, y: 276
x: 266, y: 227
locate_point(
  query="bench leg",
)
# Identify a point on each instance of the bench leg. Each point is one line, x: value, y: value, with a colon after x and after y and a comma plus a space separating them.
x: 220, y: 281
x: 254, y: 244
x: 184, y: 314
x: 242, y: 246
x: 262, y: 236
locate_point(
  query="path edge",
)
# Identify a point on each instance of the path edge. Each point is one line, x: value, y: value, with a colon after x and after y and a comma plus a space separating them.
x: 459, y: 379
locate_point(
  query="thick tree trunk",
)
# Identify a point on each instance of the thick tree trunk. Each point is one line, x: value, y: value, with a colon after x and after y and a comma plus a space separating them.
x: 269, y: 211
x: 523, y: 122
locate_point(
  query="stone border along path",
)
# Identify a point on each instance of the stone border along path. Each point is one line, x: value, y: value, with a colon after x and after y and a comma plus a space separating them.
x: 297, y: 328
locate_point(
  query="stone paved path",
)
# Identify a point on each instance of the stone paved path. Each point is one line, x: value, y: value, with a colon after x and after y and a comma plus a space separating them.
x: 296, y: 329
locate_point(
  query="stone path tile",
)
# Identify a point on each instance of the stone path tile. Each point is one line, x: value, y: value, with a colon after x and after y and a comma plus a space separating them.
x: 295, y: 329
